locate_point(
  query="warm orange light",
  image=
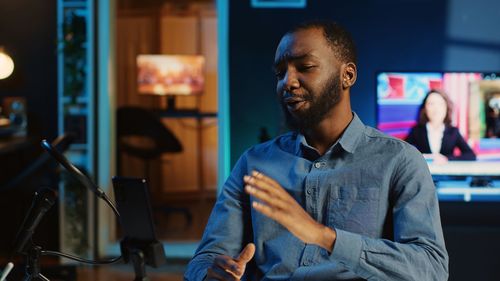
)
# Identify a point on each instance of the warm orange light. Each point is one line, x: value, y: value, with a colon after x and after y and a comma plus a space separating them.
x: 6, y: 65
x: 170, y: 74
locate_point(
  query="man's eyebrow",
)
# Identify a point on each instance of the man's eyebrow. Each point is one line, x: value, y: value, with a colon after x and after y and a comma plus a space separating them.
x: 289, y: 57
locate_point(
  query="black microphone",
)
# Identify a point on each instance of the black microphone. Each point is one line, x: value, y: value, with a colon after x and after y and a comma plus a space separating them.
x: 74, y: 171
x: 43, y: 200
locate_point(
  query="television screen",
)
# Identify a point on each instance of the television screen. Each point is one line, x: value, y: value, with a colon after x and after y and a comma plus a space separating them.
x: 170, y: 74
x: 475, y: 100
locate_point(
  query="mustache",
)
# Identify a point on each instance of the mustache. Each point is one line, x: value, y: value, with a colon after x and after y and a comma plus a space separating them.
x: 289, y: 97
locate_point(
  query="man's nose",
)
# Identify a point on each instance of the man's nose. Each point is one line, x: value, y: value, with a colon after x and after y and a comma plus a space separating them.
x: 291, y: 80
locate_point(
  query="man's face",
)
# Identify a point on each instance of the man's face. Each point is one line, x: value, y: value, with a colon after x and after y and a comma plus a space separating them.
x: 308, y: 75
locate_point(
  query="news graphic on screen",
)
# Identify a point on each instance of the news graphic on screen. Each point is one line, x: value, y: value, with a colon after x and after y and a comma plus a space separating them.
x: 475, y: 111
x: 170, y: 74
x: 475, y: 98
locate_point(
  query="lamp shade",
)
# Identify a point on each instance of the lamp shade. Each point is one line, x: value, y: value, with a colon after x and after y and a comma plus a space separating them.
x: 6, y: 65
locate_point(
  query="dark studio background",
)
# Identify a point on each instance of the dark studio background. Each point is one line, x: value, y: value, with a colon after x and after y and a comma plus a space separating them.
x: 28, y: 34
x: 403, y: 35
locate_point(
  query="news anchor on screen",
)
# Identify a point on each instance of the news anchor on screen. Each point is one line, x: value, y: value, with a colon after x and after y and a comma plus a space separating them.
x: 434, y: 136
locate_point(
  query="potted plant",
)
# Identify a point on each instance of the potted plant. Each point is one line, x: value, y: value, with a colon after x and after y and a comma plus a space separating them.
x: 73, y: 47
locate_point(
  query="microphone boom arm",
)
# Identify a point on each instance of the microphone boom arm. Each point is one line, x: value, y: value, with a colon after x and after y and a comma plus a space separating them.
x: 79, y: 175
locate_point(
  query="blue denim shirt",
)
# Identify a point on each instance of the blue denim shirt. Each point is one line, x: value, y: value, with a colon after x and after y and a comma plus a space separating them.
x: 374, y: 190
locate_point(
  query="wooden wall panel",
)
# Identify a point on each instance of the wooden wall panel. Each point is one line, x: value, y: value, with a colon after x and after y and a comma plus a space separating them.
x: 136, y: 34
x: 180, y: 170
x: 161, y: 32
x: 193, y: 35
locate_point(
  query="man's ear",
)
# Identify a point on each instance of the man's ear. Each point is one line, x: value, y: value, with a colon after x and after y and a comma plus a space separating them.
x: 349, y: 75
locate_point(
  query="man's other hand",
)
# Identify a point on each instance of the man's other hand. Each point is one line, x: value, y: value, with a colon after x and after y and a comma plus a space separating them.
x: 226, y: 268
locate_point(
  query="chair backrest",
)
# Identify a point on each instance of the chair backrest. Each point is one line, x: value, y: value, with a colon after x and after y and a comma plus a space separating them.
x: 141, y: 133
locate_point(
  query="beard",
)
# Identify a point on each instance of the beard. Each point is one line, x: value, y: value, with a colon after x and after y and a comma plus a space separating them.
x: 319, y: 106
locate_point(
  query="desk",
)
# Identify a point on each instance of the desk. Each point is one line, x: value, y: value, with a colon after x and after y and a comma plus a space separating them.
x: 126, y: 273
x: 185, y: 114
x: 455, y: 178
x: 13, y: 144
x: 466, y: 168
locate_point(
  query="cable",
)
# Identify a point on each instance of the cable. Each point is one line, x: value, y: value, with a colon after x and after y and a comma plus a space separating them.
x: 78, y: 259
x: 112, y: 206
x: 85, y: 181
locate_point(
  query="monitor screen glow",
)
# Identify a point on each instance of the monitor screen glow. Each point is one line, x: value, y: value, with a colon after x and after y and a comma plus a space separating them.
x: 476, y: 108
x: 170, y: 74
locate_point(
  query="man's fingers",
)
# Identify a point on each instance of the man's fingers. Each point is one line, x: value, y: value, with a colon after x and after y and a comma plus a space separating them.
x: 266, y: 198
x: 269, y: 184
x: 265, y: 178
x: 270, y: 187
x: 219, y: 274
x: 261, y: 184
x: 246, y: 254
x: 229, y: 265
x: 265, y: 210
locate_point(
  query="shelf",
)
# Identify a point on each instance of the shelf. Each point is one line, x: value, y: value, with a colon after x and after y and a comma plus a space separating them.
x: 74, y: 4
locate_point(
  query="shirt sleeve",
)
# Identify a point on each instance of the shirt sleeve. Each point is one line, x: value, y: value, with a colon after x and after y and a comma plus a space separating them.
x: 228, y: 228
x: 417, y: 251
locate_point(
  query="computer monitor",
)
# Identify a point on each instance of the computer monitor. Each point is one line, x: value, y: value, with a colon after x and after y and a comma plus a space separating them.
x: 475, y: 97
x: 170, y: 75
x: 476, y: 112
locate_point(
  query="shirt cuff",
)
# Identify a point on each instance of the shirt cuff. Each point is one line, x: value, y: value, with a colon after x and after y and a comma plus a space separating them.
x: 347, y: 249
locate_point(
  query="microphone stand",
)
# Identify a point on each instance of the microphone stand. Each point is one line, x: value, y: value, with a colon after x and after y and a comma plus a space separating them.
x: 33, y: 264
x: 43, y: 200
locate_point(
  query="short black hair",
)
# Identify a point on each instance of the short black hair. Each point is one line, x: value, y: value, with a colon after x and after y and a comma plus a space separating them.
x: 339, y: 38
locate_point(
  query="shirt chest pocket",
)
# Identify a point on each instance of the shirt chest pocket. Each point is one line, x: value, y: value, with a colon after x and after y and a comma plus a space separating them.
x: 354, y: 209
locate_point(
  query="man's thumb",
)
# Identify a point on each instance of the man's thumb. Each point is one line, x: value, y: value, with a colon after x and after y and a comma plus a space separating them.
x: 246, y: 254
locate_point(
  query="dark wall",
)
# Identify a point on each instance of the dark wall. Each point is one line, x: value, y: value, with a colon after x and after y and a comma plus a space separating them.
x: 411, y: 35
x: 28, y: 34
x: 471, y: 231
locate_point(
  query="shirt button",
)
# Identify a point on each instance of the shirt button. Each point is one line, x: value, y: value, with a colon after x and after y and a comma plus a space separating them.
x: 309, y: 191
x: 317, y: 165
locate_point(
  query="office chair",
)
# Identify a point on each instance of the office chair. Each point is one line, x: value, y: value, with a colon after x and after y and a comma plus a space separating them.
x: 141, y: 134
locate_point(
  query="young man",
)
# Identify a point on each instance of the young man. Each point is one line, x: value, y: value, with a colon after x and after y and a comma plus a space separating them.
x: 331, y: 200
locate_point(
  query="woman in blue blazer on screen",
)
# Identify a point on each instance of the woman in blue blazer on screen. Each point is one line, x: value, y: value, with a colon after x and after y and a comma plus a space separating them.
x: 434, y: 135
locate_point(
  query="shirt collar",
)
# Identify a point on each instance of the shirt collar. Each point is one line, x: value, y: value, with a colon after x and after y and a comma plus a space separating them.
x: 352, y: 134
x: 348, y: 140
